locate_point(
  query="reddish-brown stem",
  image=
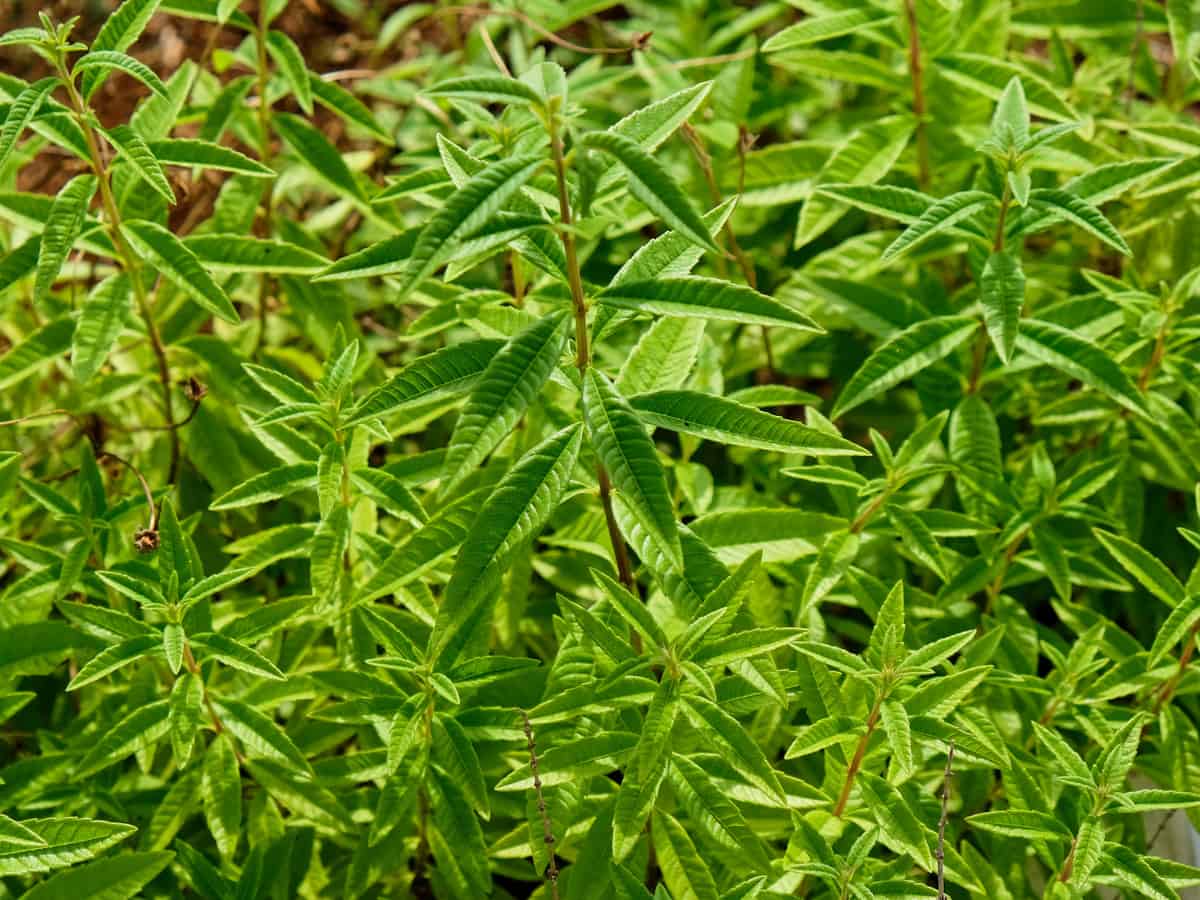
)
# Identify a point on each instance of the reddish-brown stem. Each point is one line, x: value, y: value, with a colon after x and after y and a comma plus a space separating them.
x: 547, y: 829
x: 856, y: 761
x: 916, y: 74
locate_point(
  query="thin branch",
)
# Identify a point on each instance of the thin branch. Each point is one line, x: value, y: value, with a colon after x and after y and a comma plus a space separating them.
x: 152, y: 526
x: 547, y: 828
x: 941, y: 840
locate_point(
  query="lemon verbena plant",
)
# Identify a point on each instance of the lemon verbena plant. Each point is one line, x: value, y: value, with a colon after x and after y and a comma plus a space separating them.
x: 660, y: 450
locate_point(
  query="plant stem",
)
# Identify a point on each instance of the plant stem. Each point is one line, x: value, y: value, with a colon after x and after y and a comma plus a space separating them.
x: 127, y: 260
x: 264, y: 127
x: 856, y: 762
x: 916, y: 74
x: 547, y: 829
x: 1167, y: 691
x: 582, y: 354
x: 941, y: 839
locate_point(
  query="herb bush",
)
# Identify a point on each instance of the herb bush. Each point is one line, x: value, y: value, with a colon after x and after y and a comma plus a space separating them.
x: 588, y: 450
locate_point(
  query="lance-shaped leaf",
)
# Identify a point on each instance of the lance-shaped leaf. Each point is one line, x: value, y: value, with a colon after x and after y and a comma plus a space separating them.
x: 119, y: 32
x: 138, y: 730
x: 513, y: 513
x: 179, y: 265
x: 63, y: 227
x: 269, y: 486
x: 21, y: 113
x: 66, y: 841
x: 221, y: 788
x: 710, y: 810
x: 900, y: 825
x: 620, y: 440
x: 206, y: 155
x: 1027, y: 824
x: 864, y: 157
x: 119, y: 876
x: 1079, y: 358
x: 1002, y: 295
x: 486, y: 89
x: 426, y: 547
x: 572, y: 761
x: 653, y: 185
x: 237, y: 655
x: 258, y: 733
x: 1176, y: 627
x: 291, y: 63
x: 238, y: 253
x: 131, y: 148
x: 728, y: 422
x: 509, y: 384
x: 902, y: 357
x: 1074, y: 209
x: 682, y: 865
x: 116, y: 61
x: 442, y: 373
x: 315, y: 150
x: 814, y: 29
x: 464, y: 212
x: 100, y: 323
x: 940, y: 217
x: 705, y: 298
x: 739, y: 748
x: 825, y: 733
x: 112, y: 658
x: 336, y: 98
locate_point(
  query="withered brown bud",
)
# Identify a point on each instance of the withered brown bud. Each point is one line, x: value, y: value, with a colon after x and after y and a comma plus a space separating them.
x: 195, y: 389
x: 145, y: 540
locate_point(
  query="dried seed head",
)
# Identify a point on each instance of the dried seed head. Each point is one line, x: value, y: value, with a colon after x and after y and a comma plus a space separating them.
x: 145, y: 540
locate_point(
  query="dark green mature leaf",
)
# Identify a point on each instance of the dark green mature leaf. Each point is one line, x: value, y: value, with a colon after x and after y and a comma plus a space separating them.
x: 653, y: 186
x: 116, y: 61
x: 620, y: 441
x: 728, y: 422
x: 21, y: 113
x: 1002, y: 294
x: 207, y: 155
x: 509, y: 384
x: 705, y: 298
x: 512, y: 514
x: 904, y: 356
x: 1080, y: 358
x: 315, y: 150
x: 175, y: 262
x: 119, y: 32
x: 291, y: 63
x: 62, y: 229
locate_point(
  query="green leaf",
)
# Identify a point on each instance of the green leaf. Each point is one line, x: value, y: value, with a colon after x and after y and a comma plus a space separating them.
x: 632, y: 610
x: 63, y: 227
x: 486, y: 89
x: 316, y: 152
x: 510, y: 383
x: 35, y: 351
x: 817, y: 28
x: 683, y: 867
x: 119, y: 32
x: 620, y: 441
x: 237, y: 656
x: 711, y: 810
x: 268, y: 486
x: 291, y: 63
x: 206, y: 155
x: 66, y: 841
x: 902, y: 357
x: 513, y: 513
x: 21, y: 112
x: 1064, y: 205
x: 179, y: 265
x: 221, y: 789
x: 100, y: 323
x: 112, y: 658
x: 138, y: 730
x: 650, y: 183
x: 705, y: 298
x: 1010, y: 121
x: 445, y: 372
x: 259, y: 735
x: 1176, y: 627
x: 131, y: 148
x: 738, y: 747
x: 1027, y: 824
x: 1002, y: 295
x: 940, y: 217
x: 1079, y: 358
x: 336, y: 98
x: 990, y: 77
x: 728, y: 422
x: 116, y: 61
x: 896, y: 819
x: 825, y: 733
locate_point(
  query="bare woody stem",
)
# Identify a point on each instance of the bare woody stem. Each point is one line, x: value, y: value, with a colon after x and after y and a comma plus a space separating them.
x: 547, y: 828
x: 857, y: 760
x: 941, y: 839
x: 153, y: 523
x: 916, y: 74
x: 127, y: 260
x: 582, y: 352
